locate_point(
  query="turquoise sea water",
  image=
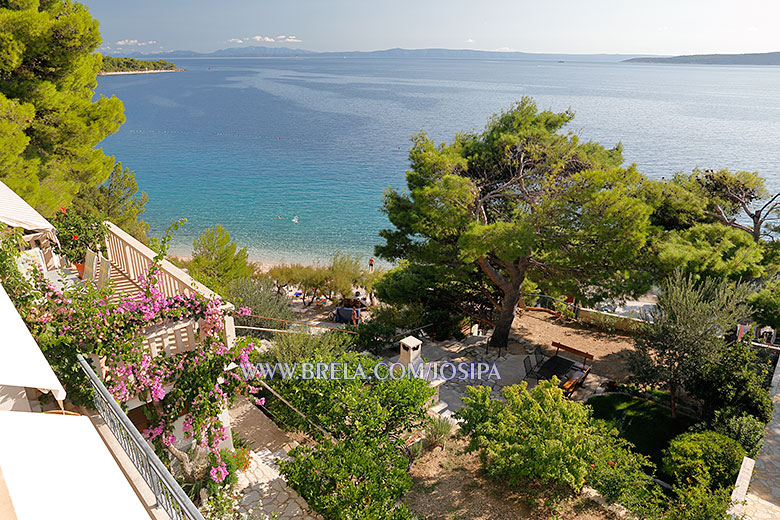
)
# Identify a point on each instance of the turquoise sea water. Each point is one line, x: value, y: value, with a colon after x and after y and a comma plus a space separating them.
x: 243, y: 141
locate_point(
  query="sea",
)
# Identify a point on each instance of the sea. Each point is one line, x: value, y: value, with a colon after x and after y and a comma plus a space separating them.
x: 292, y: 155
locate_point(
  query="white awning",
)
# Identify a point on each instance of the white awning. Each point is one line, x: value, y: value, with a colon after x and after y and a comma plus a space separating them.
x: 21, y: 361
x: 15, y: 212
x: 56, y: 466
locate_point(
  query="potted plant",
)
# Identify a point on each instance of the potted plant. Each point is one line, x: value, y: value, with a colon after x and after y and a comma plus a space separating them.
x: 78, y: 232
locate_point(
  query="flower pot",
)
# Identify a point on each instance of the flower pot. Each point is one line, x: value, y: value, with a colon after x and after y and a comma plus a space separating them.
x: 80, y: 269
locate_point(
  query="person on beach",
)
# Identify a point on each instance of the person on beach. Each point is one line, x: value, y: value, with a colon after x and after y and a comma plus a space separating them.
x: 371, y: 265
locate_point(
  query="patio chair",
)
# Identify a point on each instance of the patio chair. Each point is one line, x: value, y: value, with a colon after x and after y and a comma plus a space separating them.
x: 539, y: 356
x: 529, y: 370
x: 104, y: 275
x: 89, y: 265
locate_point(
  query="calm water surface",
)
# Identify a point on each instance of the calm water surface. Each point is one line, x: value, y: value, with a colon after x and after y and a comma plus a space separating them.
x: 243, y: 141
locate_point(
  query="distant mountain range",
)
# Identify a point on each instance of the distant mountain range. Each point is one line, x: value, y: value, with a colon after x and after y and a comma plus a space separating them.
x: 279, y: 52
x: 762, y: 58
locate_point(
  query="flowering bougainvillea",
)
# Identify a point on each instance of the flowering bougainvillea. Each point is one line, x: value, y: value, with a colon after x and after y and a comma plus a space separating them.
x: 198, y: 384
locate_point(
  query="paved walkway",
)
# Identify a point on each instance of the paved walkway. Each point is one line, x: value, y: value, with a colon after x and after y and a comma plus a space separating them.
x: 763, y: 498
x: 264, y: 489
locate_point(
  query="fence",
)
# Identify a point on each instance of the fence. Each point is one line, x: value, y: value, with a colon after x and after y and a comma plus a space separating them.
x: 169, y: 494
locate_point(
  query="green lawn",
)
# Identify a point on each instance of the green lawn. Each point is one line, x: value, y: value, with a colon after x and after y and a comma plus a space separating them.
x: 647, y: 425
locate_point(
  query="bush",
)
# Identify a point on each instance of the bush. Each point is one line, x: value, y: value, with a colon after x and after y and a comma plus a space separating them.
x: 734, y: 381
x: 262, y: 298
x: 77, y: 232
x: 705, y: 458
x: 292, y: 348
x: 339, y: 278
x: 351, y: 479
x: 542, y: 435
x: 372, y: 335
x: 698, y: 503
x: 765, y: 305
x: 745, y: 429
x: 350, y: 407
x: 438, y: 430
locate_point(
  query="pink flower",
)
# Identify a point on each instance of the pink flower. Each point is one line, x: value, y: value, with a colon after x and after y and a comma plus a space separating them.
x: 244, y: 311
x: 218, y: 473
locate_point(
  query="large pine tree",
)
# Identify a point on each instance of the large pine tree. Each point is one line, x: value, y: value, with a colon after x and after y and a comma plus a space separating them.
x: 49, y: 121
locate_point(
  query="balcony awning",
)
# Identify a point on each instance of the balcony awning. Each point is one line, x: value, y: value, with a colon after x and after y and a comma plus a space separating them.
x: 15, y: 212
x: 56, y: 466
x: 22, y: 363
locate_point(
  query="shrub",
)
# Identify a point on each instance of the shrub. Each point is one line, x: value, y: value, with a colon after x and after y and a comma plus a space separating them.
x: 372, y: 335
x: 745, y: 429
x: 438, y: 430
x: 350, y: 407
x: 541, y: 435
x: 415, y: 450
x: 735, y: 381
x: 706, y: 458
x: 354, y: 478
x: 77, y: 232
x: 262, y: 298
x: 698, y: 503
x: 291, y: 348
x: 765, y: 305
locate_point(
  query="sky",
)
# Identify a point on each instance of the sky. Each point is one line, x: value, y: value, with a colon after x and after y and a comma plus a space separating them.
x: 664, y: 27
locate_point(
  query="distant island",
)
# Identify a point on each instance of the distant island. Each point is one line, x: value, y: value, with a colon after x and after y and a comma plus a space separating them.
x: 112, y: 65
x: 259, y: 51
x: 761, y: 58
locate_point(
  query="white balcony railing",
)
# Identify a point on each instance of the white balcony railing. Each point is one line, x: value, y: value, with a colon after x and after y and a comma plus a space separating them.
x: 131, y: 259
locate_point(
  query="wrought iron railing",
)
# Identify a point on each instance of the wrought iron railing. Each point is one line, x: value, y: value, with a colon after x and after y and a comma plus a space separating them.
x: 169, y: 494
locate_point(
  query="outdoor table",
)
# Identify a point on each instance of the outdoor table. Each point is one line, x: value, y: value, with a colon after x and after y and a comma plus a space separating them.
x: 62, y: 278
x: 555, y: 366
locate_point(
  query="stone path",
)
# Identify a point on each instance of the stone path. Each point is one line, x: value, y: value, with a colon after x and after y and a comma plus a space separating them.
x: 763, y: 498
x: 264, y: 490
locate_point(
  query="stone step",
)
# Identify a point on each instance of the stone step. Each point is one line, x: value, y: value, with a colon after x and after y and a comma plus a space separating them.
x: 447, y: 414
x: 439, y: 407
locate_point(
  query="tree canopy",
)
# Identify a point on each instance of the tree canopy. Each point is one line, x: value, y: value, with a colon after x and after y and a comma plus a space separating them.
x: 217, y: 261
x: 117, y: 200
x: 519, y: 200
x: 49, y: 122
x: 112, y: 64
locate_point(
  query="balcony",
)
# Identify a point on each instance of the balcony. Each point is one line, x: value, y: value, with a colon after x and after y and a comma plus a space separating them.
x: 129, y: 259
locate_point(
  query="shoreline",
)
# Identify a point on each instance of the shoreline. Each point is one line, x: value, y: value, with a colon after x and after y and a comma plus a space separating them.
x: 263, y: 265
x: 127, y: 72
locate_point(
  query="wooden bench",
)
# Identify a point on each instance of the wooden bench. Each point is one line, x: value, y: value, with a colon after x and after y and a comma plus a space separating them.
x: 583, y: 369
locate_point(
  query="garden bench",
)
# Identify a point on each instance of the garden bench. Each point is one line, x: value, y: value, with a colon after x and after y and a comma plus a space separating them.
x: 582, y: 369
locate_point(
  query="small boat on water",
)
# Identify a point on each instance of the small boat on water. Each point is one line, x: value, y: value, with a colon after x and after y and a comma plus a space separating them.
x: 295, y: 219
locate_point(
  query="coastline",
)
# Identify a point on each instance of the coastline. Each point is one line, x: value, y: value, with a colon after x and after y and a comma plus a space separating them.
x: 127, y: 72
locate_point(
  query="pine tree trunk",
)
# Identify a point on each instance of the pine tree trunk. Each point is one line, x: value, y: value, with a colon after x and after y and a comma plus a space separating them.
x: 506, y: 317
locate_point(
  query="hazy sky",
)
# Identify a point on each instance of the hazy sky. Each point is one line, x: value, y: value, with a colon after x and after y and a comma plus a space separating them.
x: 566, y: 26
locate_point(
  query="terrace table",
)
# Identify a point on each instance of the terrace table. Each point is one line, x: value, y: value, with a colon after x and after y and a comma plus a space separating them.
x: 555, y: 366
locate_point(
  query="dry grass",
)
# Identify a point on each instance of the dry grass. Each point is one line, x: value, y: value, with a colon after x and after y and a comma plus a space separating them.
x: 449, y: 485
